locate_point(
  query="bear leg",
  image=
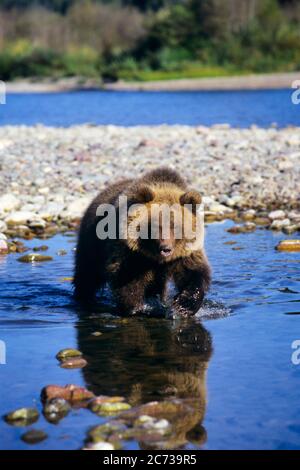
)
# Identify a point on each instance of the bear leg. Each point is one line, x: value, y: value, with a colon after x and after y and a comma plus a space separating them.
x: 192, y: 279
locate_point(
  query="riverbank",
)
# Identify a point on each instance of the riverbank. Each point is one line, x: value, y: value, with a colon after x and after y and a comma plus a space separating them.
x: 53, y: 86
x: 49, y: 175
x: 244, y: 82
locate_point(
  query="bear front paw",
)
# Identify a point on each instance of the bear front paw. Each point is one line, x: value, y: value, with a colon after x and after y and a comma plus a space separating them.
x: 183, y: 306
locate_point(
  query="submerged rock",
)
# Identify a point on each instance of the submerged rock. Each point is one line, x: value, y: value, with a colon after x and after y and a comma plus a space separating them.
x: 73, y: 363
x: 149, y: 423
x: 96, y: 402
x: 17, y: 246
x: 288, y: 245
x: 34, y: 436
x: 111, y: 431
x: 108, y: 406
x: 246, y: 228
x: 153, y: 425
x: 249, y: 227
x: 22, y: 417
x: 66, y: 279
x: 34, y: 258
x: 71, y: 393
x: 61, y: 252
x: 41, y: 248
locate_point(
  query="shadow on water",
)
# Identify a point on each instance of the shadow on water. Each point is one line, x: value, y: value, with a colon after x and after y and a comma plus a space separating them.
x: 147, y: 360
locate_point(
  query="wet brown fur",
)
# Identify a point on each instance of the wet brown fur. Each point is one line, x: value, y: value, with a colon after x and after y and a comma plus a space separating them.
x: 134, y: 273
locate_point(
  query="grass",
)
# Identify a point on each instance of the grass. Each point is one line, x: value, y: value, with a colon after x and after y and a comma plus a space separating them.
x: 191, y: 71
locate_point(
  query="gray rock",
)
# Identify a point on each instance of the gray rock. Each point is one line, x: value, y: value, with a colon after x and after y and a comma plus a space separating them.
x: 279, y: 224
x: 3, y: 226
x: 21, y: 218
x: 274, y: 215
x: 9, y: 202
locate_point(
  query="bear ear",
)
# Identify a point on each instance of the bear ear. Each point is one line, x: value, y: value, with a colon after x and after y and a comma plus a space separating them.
x: 191, y: 198
x: 141, y: 194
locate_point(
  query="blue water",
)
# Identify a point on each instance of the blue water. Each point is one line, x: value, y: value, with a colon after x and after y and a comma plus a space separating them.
x: 252, y: 315
x: 237, y: 108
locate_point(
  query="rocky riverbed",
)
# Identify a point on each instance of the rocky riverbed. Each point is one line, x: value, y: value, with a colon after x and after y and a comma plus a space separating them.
x: 49, y: 175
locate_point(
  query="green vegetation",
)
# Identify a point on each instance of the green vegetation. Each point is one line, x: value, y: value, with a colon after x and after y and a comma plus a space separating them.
x: 148, y: 39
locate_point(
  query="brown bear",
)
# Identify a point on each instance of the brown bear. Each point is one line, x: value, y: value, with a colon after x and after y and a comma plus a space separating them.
x: 138, y: 267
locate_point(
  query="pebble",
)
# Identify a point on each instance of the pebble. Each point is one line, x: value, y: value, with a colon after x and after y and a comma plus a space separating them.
x: 20, y: 218
x: 68, y: 353
x: 3, y: 247
x: 37, y: 224
x: 3, y: 226
x: 250, y: 226
x: 34, y: 436
x: 55, y: 170
x: 77, y: 207
x: 99, y: 446
x: 41, y: 248
x: 66, y: 279
x: 288, y: 245
x: 263, y: 221
x: 61, y: 252
x: 34, y: 258
x: 22, y: 417
x: 109, y: 407
x: 219, y: 208
x: 71, y: 393
x: 56, y: 409
x: 279, y: 224
x: 294, y: 216
x: 9, y: 202
x: 247, y: 227
x: 291, y: 229
x: 249, y: 215
x: 74, y: 363
x: 276, y: 215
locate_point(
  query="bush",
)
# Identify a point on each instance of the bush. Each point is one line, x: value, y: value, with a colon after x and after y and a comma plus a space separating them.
x: 170, y: 39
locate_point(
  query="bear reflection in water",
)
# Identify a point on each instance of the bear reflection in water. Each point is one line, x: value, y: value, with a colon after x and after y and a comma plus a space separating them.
x: 148, y: 360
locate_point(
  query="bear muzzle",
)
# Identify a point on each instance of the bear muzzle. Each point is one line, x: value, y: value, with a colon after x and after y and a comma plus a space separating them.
x: 165, y: 249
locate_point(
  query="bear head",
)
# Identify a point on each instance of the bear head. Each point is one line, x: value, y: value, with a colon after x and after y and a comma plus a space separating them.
x: 163, y: 221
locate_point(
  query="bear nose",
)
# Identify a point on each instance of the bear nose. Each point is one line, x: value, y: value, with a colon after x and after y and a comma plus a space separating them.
x: 165, y: 249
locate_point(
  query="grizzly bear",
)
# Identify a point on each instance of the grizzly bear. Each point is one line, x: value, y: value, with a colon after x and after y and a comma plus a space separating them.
x: 138, y: 267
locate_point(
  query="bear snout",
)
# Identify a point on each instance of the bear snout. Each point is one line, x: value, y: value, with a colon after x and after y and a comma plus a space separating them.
x: 165, y: 249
